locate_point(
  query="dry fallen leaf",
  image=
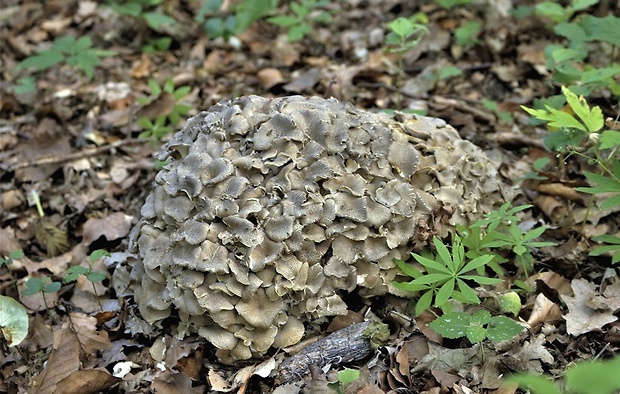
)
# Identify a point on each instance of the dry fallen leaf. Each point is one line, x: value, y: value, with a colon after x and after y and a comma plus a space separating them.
x: 64, y: 360
x: 113, y: 227
x: 581, y: 317
x: 86, y: 382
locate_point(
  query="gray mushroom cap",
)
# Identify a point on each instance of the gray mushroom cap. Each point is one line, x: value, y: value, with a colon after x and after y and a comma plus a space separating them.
x: 270, y: 209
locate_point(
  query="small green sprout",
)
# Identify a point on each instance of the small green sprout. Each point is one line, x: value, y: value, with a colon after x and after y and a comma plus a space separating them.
x: 75, y: 53
x: 43, y: 285
x: 92, y: 276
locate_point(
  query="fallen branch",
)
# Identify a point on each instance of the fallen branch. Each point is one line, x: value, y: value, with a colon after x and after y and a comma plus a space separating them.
x: 352, y: 343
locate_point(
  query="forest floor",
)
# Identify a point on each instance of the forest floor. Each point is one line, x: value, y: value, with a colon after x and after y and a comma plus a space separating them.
x: 79, y: 138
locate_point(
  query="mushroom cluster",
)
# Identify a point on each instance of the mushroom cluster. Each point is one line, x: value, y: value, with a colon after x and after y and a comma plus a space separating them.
x: 270, y: 209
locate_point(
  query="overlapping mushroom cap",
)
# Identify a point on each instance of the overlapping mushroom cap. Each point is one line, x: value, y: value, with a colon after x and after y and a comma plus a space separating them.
x: 270, y: 209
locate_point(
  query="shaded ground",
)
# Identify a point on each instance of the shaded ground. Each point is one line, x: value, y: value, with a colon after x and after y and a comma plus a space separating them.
x: 78, y: 144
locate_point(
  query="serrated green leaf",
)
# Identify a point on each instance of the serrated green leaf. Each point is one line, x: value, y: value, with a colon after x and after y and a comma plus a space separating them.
x: 451, y: 325
x: 502, y: 328
x: 13, y: 321
x: 476, y: 334
x: 591, y: 117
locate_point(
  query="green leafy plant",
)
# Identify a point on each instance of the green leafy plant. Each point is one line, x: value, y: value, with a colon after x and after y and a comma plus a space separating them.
x: 13, y: 321
x: 79, y: 54
x: 467, y: 34
x: 43, y: 285
x: 144, y: 10
x: 503, y: 116
x: 445, y: 276
x: 92, y: 276
x: 221, y: 23
x: 600, y: 377
x: 404, y: 35
x: 581, y: 135
x: 568, y: 61
x: 163, y: 123
x: 13, y: 255
x: 303, y: 15
x: 476, y: 327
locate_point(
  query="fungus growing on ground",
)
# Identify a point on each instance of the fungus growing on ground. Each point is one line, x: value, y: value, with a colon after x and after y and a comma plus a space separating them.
x: 269, y: 210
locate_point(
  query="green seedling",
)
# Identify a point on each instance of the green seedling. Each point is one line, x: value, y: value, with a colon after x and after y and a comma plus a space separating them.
x: 445, y: 276
x: 144, y: 10
x: 303, y: 15
x: 43, y: 285
x: 163, y: 123
x: 79, y: 54
x: 557, y: 13
x: 240, y: 17
x: 477, y: 327
x: 503, y: 116
x: 467, y: 34
x: 588, y: 377
x: 92, y: 276
x: 13, y: 321
x: 13, y: 255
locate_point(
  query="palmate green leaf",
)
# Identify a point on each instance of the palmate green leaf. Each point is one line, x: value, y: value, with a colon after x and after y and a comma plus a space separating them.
x: 591, y: 117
